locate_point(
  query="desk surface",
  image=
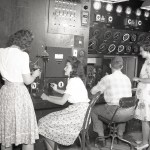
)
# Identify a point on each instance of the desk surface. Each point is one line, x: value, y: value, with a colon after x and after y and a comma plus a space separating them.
x: 39, y: 104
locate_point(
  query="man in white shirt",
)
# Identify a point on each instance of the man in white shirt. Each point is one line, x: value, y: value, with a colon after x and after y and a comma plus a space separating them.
x: 114, y: 87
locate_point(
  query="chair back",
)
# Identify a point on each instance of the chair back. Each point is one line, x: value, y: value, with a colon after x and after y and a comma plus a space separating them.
x: 127, y: 102
x: 126, y: 109
x: 86, y: 123
x: 89, y: 109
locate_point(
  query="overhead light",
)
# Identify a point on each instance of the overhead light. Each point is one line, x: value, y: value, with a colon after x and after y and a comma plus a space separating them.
x: 146, y: 5
x: 113, y: 1
x: 97, y: 5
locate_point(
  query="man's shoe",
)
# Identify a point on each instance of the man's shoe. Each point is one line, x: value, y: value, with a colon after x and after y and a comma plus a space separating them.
x: 100, y: 142
x: 142, y: 147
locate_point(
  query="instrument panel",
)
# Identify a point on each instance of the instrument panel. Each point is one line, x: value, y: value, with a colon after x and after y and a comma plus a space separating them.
x: 115, y: 41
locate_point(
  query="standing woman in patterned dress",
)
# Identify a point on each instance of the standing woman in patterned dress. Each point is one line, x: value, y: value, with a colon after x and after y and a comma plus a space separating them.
x: 64, y: 126
x: 143, y: 94
x: 18, y: 124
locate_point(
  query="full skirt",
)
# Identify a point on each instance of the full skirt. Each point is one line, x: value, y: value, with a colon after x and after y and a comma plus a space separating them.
x: 18, y: 124
x: 64, y: 126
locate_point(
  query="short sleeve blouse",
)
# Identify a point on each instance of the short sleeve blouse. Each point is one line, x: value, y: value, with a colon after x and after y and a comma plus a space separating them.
x: 13, y: 63
x: 76, y: 90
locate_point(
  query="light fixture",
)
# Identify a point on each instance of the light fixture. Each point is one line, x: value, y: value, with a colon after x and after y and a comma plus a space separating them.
x: 119, y: 9
x: 146, y: 14
x: 128, y: 10
x: 97, y: 5
x: 146, y: 5
x: 113, y: 1
x: 138, y: 12
x: 109, y: 7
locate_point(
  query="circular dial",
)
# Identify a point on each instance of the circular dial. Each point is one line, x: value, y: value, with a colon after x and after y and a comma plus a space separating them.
x: 102, y: 48
x: 126, y: 36
x: 128, y: 49
x: 133, y: 37
x: 116, y: 36
x: 112, y: 48
x: 107, y: 35
x: 92, y: 44
x: 120, y: 48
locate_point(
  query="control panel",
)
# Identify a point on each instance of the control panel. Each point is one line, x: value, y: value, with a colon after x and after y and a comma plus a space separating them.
x: 68, y: 16
x: 119, y: 28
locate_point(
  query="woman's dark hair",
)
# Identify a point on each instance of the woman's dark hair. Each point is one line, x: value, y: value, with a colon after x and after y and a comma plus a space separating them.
x: 77, y: 67
x: 146, y: 47
x: 22, y: 39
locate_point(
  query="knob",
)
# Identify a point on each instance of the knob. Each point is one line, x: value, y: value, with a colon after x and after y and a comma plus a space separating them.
x: 85, y: 7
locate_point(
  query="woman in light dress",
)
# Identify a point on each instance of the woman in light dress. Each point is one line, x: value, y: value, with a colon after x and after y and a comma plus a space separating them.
x: 143, y: 94
x: 64, y: 126
x: 18, y: 124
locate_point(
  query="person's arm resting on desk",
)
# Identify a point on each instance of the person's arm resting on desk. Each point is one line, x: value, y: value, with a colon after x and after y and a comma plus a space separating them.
x: 55, y: 99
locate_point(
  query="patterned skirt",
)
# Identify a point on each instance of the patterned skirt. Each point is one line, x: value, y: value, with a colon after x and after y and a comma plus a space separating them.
x: 18, y: 124
x: 142, y: 111
x: 64, y: 126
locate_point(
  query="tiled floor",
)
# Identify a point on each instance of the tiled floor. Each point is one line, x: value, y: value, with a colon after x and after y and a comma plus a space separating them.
x: 135, y: 136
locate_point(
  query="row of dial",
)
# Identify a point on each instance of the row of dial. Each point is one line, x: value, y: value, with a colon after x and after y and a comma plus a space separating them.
x: 119, y: 9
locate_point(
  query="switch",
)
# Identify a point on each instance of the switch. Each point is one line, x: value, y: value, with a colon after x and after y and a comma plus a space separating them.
x: 75, y: 52
x: 85, y: 7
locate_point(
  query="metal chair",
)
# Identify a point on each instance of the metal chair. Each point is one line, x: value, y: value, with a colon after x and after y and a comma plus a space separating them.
x: 123, y: 113
x: 84, y: 136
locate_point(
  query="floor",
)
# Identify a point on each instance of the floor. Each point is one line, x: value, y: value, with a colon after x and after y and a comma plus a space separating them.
x: 135, y: 136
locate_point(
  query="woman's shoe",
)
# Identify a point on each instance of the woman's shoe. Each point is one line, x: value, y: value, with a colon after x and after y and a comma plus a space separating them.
x: 142, y: 147
x: 138, y: 142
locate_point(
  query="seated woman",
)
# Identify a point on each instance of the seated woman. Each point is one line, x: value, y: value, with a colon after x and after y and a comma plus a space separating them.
x: 64, y: 126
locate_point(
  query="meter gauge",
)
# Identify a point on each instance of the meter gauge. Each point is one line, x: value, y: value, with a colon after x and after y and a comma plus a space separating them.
x: 126, y: 36
x: 147, y: 38
x: 128, y: 49
x: 102, y: 48
x: 92, y: 44
x: 133, y: 37
x: 128, y: 10
x: 111, y: 48
x: 138, y: 12
x: 82, y: 53
x: 96, y: 32
x: 116, y: 36
x: 141, y: 38
x: 107, y: 35
x: 120, y: 48
x: 135, y: 49
x: 109, y: 7
x: 146, y: 14
x: 119, y: 9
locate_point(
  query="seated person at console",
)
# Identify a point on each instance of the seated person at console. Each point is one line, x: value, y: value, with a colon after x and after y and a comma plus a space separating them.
x: 114, y: 87
x: 64, y: 126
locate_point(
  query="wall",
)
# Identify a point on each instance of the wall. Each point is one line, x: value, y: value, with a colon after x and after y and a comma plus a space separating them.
x: 5, y: 21
x: 19, y: 14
